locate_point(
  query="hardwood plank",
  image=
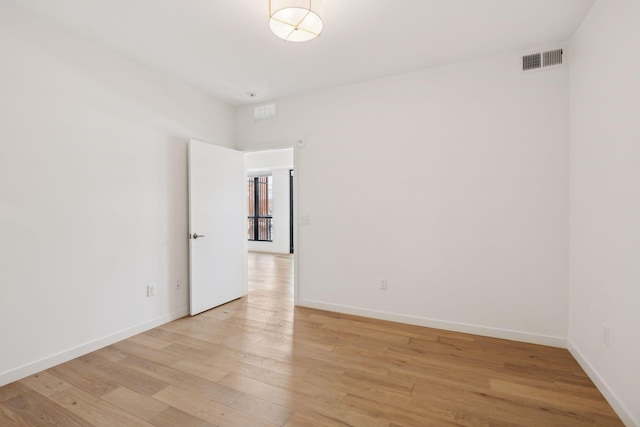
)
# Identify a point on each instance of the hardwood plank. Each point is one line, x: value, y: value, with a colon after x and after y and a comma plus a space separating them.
x: 259, y: 389
x: 490, y: 407
x: 400, y: 414
x: 588, y: 391
x: 361, y: 330
x: 272, y: 372
x: 206, y: 409
x: 112, y: 354
x: 41, y: 411
x: 9, y: 417
x: 130, y: 378
x: 179, y: 339
x: 150, y: 341
x: 135, y: 403
x: 546, y: 397
x: 45, y: 383
x: 353, y: 382
x: 12, y: 390
x: 339, y: 414
x: 136, y: 349
x: 184, y: 381
x: 312, y: 420
x: 200, y: 370
x: 94, y: 410
x: 84, y: 379
x: 262, y: 409
x: 172, y: 417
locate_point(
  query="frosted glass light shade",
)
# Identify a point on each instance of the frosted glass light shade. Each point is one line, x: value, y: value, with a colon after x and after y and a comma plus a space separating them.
x: 295, y: 20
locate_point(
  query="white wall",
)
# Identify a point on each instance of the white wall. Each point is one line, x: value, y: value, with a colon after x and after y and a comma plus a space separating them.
x: 93, y: 199
x: 450, y: 182
x: 605, y: 201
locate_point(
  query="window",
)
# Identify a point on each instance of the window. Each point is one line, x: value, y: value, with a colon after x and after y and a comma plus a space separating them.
x: 260, y: 202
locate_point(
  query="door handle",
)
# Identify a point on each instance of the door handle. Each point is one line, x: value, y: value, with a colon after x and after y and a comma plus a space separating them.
x: 197, y: 236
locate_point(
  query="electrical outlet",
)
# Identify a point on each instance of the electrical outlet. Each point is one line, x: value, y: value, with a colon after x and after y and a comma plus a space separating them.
x: 151, y: 291
x: 178, y: 285
x: 382, y: 283
x: 605, y: 335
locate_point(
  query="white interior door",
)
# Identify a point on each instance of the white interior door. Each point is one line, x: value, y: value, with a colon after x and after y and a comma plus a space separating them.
x: 217, y: 234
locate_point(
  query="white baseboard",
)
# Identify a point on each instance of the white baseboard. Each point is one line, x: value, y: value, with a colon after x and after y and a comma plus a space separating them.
x: 440, y: 324
x: 66, y: 355
x: 623, y: 412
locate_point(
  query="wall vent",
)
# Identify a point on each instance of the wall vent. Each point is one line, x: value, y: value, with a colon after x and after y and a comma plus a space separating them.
x: 548, y: 59
x: 264, y: 112
x: 531, y: 62
x: 552, y: 57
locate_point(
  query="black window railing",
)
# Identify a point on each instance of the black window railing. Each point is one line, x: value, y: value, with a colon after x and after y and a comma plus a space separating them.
x: 260, y: 220
x: 260, y: 228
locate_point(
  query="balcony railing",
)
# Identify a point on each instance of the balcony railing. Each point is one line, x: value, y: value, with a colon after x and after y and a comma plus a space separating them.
x: 260, y: 230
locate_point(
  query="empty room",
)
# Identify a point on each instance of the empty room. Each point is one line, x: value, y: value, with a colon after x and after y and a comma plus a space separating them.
x: 319, y: 213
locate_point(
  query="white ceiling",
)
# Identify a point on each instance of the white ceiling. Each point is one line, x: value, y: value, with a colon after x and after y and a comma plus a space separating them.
x: 225, y: 47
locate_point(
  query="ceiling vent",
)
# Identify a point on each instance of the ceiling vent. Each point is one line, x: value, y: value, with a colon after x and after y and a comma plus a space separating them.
x: 539, y: 60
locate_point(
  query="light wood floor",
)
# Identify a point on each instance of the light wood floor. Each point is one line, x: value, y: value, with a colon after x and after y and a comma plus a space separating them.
x: 259, y: 361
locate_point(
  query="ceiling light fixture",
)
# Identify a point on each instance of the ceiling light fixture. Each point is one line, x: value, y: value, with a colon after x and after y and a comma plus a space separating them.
x: 296, y: 20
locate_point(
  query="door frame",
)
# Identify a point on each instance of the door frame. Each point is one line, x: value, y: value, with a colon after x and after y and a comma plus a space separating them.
x: 293, y: 209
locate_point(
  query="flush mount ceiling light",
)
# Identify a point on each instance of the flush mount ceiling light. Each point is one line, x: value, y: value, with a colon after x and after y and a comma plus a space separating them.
x: 295, y: 20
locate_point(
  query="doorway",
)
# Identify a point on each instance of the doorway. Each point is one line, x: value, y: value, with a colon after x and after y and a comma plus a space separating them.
x: 270, y: 193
